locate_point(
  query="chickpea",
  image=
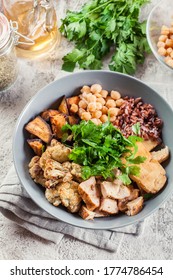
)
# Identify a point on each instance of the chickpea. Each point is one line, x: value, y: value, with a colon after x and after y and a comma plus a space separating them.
x: 119, y: 102
x: 81, y: 110
x: 169, y: 43
x: 104, y: 110
x: 89, y: 98
x: 115, y: 95
x: 74, y: 108
x: 86, y: 116
x: 111, y: 103
x: 82, y: 104
x: 113, y: 112
x: 84, y: 96
x: 92, y: 106
x: 112, y: 119
x: 169, y: 50
x: 96, y: 88
x: 95, y: 121
x: 171, y: 54
x: 104, y: 93
x: 101, y: 100
x: 171, y: 37
x: 163, y: 38
x: 93, y: 98
x: 167, y: 58
x: 171, y: 30
x: 108, y: 98
x: 162, y: 51
x: 160, y: 44
x: 85, y: 89
x: 164, y: 30
x: 170, y: 62
x: 104, y: 118
x: 99, y: 106
x: 97, y: 114
x: 98, y: 95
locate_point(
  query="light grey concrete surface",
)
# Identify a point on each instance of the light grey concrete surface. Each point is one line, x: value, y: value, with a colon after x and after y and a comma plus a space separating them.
x: 156, y: 241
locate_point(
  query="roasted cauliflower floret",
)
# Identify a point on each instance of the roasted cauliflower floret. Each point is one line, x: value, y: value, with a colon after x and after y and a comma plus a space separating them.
x: 59, y: 152
x: 36, y: 172
x: 69, y: 195
x: 55, y: 172
x: 76, y: 171
x: 52, y: 196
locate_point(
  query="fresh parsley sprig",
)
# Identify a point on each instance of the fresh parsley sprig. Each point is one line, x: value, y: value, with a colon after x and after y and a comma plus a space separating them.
x: 101, y: 148
x: 100, y: 26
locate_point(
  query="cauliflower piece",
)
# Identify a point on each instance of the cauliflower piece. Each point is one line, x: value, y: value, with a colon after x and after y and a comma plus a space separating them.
x: 36, y: 172
x: 69, y: 195
x: 52, y: 196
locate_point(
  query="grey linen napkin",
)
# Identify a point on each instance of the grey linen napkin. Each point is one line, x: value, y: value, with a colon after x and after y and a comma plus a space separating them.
x: 16, y: 205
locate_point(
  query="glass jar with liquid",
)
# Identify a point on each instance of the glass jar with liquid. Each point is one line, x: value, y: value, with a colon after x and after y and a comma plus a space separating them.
x: 8, y: 58
x: 37, y: 22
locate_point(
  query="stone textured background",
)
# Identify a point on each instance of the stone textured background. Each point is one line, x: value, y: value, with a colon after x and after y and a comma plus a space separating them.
x: 156, y: 242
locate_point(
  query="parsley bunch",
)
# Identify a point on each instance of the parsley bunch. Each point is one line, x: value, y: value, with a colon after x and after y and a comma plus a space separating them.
x: 101, y: 148
x: 102, y: 26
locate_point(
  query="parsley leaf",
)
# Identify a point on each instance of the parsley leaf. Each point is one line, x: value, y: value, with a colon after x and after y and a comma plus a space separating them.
x: 101, y: 148
x: 103, y: 25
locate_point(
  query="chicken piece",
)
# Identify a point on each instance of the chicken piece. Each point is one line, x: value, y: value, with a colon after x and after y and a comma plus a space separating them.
x: 36, y: 172
x: 135, y: 206
x: 110, y: 189
x: 152, y: 176
x: 70, y: 196
x: 109, y: 206
x: 52, y: 196
x: 86, y: 214
x: 100, y: 214
x: 56, y: 172
x: 90, y: 193
x: 122, y: 203
x: 161, y: 155
x: 150, y: 144
x: 76, y: 172
x: 115, y: 189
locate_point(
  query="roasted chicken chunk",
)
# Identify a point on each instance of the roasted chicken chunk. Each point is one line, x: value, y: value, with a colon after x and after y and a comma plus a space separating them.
x: 108, y: 206
x: 152, y: 176
x: 90, y: 193
x: 161, y: 155
x: 135, y: 206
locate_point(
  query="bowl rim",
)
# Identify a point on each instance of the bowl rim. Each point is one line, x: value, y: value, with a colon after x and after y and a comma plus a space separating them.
x: 157, y: 56
x: 23, y: 181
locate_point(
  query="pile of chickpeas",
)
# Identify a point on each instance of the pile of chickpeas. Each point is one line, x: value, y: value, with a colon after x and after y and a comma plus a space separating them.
x: 96, y: 104
x: 165, y: 44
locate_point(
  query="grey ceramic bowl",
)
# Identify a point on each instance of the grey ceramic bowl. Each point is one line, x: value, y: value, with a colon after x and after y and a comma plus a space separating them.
x: 47, y: 98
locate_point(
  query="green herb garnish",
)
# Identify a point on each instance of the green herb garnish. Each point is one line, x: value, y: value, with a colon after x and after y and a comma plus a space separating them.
x: 103, y: 25
x: 102, y: 148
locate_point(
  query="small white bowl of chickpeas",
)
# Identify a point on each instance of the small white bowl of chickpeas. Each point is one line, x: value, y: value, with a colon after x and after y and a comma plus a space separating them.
x: 160, y: 32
